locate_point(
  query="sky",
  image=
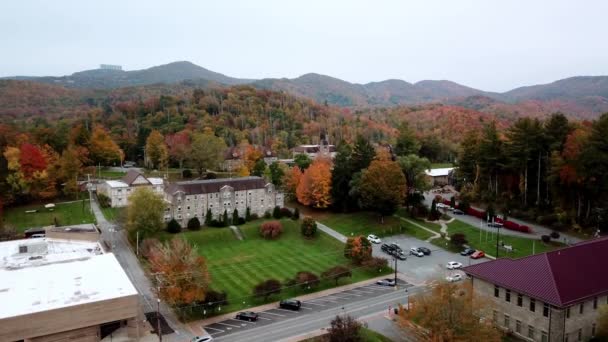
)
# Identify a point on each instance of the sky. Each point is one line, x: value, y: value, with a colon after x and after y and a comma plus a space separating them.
x: 485, y: 44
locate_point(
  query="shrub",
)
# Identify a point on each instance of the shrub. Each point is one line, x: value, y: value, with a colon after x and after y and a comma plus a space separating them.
x: 296, y: 214
x: 210, y: 175
x: 344, y: 328
x: 337, y: 272
x: 194, y: 224
x: 213, y: 299
x: 267, y: 214
x: 235, y: 216
x: 308, y: 228
x: 554, y: 235
x: 225, y: 221
x: 458, y: 240
x: 267, y: 288
x: 216, y: 224
x: 307, y: 279
x: 453, y: 202
x: 146, y: 246
x: 276, y: 212
x: 173, y: 227
x: 375, y: 263
x: 186, y: 173
x: 254, y: 217
x: 358, y: 249
x: 104, y: 201
x: 271, y: 229
x: 241, y: 220
x: 285, y: 212
x: 248, y: 214
x: 545, y: 238
x: 208, y: 218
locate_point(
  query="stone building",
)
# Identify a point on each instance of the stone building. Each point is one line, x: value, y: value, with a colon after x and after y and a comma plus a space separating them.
x: 189, y: 199
x: 554, y: 296
x: 234, y: 157
x: 119, y: 190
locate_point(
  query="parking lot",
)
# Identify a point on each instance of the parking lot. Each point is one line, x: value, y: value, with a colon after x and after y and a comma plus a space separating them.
x: 427, y: 268
x: 337, y: 300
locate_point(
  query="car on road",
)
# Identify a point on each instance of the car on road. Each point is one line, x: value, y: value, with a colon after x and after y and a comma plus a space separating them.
x: 373, y: 238
x: 467, y: 251
x: 398, y: 254
x: 478, y: 254
x: 291, y: 304
x: 452, y: 265
x: 202, y: 339
x: 386, y: 248
x: 247, y: 316
x: 458, y: 212
x: 415, y: 251
x: 425, y: 250
x: 386, y: 282
x: 454, y: 278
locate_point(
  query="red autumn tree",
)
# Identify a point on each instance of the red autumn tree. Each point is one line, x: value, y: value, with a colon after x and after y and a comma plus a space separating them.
x: 314, y: 188
x: 31, y: 160
x: 179, y: 146
x: 271, y: 230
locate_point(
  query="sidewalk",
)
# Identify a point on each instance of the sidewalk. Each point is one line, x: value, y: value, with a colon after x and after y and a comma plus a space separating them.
x: 340, y: 237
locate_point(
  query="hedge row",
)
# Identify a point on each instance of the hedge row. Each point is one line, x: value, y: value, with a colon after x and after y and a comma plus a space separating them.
x: 481, y: 215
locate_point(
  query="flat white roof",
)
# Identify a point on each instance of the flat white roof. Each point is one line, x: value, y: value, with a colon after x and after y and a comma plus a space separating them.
x: 439, y: 172
x: 42, y: 251
x: 116, y: 184
x: 64, y: 284
x: 156, y: 181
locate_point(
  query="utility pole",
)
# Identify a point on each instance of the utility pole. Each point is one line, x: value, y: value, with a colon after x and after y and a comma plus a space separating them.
x: 395, y: 271
x: 89, y: 187
x: 137, y: 244
x: 160, y: 336
x: 497, y: 238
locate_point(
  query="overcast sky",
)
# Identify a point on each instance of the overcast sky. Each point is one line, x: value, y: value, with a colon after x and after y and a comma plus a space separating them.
x: 490, y: 45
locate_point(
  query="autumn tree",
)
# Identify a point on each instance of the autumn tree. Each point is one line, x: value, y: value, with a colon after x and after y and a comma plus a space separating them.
x: 306, y: 279
x: 271, y: 230
x: 71, y: 163
x: 292, y: 181
x: 336, y: 273
x: 449, y: 313
x: 407, y: 143
x: 184, y: 278
x: 207, y: 151
x: 344, y: 329
x: 382, y: 187
x: 145, y: 213
x: 156, y: 151
x: 413, y: 168
x: 358, y: 249
x: 103, y: 150
x: 602, y: 323
x: 308, y: 228
x: 267, y: 288
x: 314, y: 188
x: 179, y: 146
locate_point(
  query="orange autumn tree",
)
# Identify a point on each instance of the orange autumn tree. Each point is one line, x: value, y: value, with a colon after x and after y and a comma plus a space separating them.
x: 183, y: 276
x: 292, y: 180
x: 314, y: 188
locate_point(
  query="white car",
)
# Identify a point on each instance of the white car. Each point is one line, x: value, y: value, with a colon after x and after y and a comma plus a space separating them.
x: 454, y: 278
x: 415, y: 251
x: 373, y: 238
x: 452, y: 265
x: 440, y: 206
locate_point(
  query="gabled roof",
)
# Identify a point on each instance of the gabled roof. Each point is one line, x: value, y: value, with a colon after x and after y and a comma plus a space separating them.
x: 131, y: 176
x: 562, y: 277
x: 214, y: 185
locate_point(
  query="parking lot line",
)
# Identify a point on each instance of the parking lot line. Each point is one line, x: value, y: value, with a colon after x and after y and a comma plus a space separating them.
x: 210, y: 328
x: 341, y: 297
x: 291, y: 311
x: 228, y: 325
x: 270, y: 313
x: 268, y: 319
x: 357, y: 290
x: 322, y: 300
x: 240, y: 321
x: 311, y: 303
x: 303, y: 307
x: 378, y: 287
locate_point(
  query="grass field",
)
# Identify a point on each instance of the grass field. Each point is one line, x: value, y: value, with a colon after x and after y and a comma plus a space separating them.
x: 113, y: 214
x: 441, y: 165
x: 237, y: 266
x: 65, y: 214
x: 521, y: 246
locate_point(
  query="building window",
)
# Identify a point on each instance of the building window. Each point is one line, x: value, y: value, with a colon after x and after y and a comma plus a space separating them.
x: 581, y: 308
x: 22, y: 249
x: 188, y: 207
x: 580, y: 335
x: 530, y: 331
x: 532, y: 304
x: 518, y: 326
x: 546, y: 310
x: 507, y: 321
x: 544, y: 337
x: 568, y: 312
x: 495, y: 316
x: 595, y: 303
x: 508, y: 295
x: 520, y: 300
x: 496, y: 291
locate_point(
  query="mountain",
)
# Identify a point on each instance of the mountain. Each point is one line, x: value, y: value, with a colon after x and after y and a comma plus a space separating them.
x: 106, y: 79
x: 568, y: 88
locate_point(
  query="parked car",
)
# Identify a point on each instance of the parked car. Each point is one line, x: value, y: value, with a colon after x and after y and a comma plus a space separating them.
x: 425, y: 250
x: 440, y: 206
x: 452, y: 265
x: 386, y: 248
x: 247, y: 316
x: 398, y: 254
x: 396, y: 246
x: 386, y: 282
x: 478, y: 254
x: 291, y: 304
x: 454, y: 278
x: 495, y: 224
x: 415, y: 251
x: 373, y: 238
x: 458, y: 212
x: 467, y: 251
x: 202, y: 339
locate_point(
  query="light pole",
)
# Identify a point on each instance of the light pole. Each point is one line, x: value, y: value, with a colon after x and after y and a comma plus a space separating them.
x: 497, y: 238
x: 160, y: 336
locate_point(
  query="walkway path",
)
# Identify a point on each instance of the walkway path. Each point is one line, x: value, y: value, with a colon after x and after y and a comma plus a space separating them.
x: 435, y: 234
x: 339, y: 236
x: 114, y: 236
x: 237, y: 232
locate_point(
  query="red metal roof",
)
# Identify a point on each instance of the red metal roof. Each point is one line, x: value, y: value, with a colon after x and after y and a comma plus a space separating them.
x: 561, y: 277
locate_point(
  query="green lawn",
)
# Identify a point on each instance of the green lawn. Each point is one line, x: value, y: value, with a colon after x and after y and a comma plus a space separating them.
x: 108, y: 174
x: 405, y: 214
x: 113, y: 214
x: 65, y: 214
x: 237, y: 266
x: 521, y: 246
x: 441, y: 165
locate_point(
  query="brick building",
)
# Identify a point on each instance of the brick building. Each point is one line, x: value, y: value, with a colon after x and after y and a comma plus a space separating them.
x: 189, y: 199
x: 553, y: 296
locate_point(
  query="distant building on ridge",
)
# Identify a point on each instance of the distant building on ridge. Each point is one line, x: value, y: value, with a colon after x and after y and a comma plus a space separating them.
x: 110, y: 67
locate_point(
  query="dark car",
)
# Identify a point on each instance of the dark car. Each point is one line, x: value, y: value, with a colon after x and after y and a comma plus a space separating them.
x: 467, y: 251
x: 396, y: 247
x: 247, y: 316
x: 291, y: 304
x: 425, y: 250
x: 398, y: 254
x: 386, y: 248
x: 386, y: 282
x: 458, y: 212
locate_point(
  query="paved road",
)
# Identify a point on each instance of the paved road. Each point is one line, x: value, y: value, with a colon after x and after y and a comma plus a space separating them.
x: 115, y: 237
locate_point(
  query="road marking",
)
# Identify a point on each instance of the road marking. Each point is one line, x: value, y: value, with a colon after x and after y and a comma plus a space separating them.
x: 270, y: 313
x: 228, y: 325
x: 291, y: 311
x: 268, y: 319
x: 367, y: 292
x: 322, y: 300
x: 311, y: 303
x: 220, y: 330
x: 243, y: 323
x: 333, y: 295
x: 378, y: 287
x: 303, y: 307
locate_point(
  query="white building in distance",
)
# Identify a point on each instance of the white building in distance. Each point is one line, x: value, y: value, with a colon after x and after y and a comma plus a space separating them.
x: 118, y: 191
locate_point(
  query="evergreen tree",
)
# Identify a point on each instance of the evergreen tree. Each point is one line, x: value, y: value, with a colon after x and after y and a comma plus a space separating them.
x: 406, y: 141
x: 194, y: 224
x: 341, y: 176
x: 173, y: 227
x: 258, y: 168
x: 296, y: 214
x: 225, y: 221
x: 248, y: 214
x: 276, y: 212
x: 362, y: 155
x: 235, y: 216
x: 208, y: 218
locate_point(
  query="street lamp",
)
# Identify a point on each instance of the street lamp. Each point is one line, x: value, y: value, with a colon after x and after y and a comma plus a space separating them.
x: 160, y: 336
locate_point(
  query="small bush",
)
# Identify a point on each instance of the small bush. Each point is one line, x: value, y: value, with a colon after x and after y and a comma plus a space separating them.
x: 215, y: 223
x: 104, y: 201
x: 307, y: 279
x: 194, y: 224
x: 554, y: 235
x: 173, y: 227
x: 267, y: 214
x: 254, y: 217
x: 276, y: 212
x: 296, y: 214
x: 337, y: 272
x: 186, y: 173
x: 271, y: 230
x: 308, y: 228
x: 545, y: 238
x: 146, y: 246
x: 458, y: 240
x: 267, y: 288
x: 210, y: 175
x: 285, y: 212
x: 375, y: 263
x: 241, y: 220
